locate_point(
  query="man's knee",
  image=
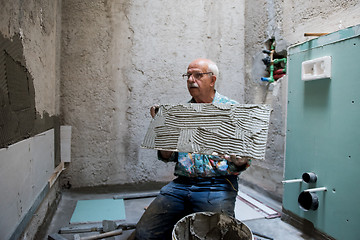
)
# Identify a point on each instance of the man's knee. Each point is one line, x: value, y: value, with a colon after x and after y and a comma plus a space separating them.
x: 150, y: 229
x: 142, y: 233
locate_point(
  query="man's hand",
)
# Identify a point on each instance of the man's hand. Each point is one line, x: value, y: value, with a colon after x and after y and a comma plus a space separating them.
x: 165, y: 154
x: 238, y: 161
x: 153, y: 110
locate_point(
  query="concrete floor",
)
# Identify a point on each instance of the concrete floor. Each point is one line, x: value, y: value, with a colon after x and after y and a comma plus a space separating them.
x: 274, y: 228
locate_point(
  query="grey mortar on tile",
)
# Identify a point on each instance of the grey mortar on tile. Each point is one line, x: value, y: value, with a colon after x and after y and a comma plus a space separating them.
x: 215, y: 129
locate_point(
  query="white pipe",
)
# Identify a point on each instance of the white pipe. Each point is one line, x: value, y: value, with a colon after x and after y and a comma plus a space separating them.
x: 292, y: 181
x: 316, y: 189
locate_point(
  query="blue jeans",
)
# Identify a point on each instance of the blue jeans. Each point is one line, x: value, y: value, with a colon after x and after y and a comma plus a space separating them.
x: 184, y: 196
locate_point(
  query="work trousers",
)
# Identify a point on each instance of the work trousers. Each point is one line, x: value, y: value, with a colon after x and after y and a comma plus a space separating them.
x: 184, y: 196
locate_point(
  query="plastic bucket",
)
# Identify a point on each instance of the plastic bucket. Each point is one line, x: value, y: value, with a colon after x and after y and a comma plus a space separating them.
x: 210, y: 226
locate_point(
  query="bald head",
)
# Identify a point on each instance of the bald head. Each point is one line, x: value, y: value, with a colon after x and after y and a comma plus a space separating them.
x: 201, y: 82
x: 210, y: 65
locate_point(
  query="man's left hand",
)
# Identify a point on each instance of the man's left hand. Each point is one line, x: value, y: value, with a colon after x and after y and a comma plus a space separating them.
x: 238, y: 161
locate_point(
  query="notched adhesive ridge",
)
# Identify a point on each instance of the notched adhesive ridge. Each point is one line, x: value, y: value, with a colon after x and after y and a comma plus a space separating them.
x: 239, y: 129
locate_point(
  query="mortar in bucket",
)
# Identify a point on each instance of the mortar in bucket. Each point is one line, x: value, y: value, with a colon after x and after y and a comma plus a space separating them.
x: 210, y: 226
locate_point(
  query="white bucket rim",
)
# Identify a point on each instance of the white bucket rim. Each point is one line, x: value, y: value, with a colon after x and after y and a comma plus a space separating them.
x: 208, y: 213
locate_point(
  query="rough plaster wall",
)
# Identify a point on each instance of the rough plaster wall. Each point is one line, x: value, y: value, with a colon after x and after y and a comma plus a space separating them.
x: 286, y: 21
x: 319, y: 16
x: 121, y: 57
x: 37, y: 24
x: 87, y: 89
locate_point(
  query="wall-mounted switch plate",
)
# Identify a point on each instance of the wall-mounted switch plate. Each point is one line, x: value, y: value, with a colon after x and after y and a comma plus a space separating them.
x: 314, y: 69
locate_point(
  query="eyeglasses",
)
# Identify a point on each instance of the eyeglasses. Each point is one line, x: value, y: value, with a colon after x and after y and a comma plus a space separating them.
x: 196, y: 75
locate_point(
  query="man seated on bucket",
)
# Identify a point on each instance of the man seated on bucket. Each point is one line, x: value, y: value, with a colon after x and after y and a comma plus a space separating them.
x: 204, y: 182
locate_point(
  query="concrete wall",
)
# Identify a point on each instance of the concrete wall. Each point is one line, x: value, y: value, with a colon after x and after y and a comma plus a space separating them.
x: 29, y: 112
x: 121, y: 57
x: 286, y: 22
x: 37, y: 23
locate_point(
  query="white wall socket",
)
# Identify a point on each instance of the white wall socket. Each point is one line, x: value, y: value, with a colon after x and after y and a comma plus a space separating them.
x: 314, y: 69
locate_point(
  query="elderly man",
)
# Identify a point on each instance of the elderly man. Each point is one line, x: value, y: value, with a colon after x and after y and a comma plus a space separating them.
x: 204, y: 182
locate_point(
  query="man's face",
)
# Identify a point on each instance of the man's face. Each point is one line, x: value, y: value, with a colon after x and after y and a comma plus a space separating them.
x: 200, y: 85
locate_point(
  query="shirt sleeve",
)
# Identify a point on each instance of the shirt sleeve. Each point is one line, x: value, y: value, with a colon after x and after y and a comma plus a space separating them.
x: 173, y: 157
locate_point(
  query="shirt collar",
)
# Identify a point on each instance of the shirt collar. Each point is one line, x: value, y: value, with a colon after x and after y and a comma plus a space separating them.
x: 192, y: 100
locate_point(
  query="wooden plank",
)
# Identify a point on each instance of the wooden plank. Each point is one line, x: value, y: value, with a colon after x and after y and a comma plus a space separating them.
x: 56, y: 174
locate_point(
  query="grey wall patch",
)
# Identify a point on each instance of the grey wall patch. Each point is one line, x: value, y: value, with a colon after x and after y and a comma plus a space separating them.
x: 239, y: 129
x: 18, y: 117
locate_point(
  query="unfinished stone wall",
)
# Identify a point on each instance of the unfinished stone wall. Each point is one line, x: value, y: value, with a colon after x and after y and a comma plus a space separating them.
x: 29, y: 106
x: 285, y: 22
x: 30, y: 101
x: 121, y: 57
x: 36, y: 22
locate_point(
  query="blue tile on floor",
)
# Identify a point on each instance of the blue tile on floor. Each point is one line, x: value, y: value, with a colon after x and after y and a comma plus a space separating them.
x: 98, y: 210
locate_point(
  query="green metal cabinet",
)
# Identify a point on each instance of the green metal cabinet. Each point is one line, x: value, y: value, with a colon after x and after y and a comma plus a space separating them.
x: 323, y: 133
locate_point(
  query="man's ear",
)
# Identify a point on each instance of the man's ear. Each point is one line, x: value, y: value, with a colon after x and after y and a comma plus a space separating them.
x: 213, y: 80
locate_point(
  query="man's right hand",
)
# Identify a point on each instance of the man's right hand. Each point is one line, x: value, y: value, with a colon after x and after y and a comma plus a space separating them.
x: 153, y: 110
